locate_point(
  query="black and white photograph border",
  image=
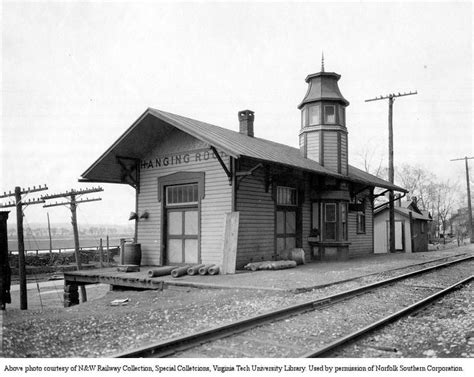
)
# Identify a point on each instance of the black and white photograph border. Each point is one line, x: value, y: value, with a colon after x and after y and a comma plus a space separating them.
x: 244, y: 186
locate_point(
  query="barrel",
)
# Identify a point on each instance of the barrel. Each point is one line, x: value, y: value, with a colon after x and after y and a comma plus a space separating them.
x: 132, y: 253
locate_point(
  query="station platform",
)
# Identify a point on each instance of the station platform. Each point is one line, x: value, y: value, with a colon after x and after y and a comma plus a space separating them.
x: 301, y: 278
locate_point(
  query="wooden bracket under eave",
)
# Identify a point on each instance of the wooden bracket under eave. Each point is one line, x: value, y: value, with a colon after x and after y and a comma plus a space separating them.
x: 129, y: 171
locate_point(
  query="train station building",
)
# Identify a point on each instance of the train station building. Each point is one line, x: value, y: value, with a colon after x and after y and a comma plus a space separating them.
x: 190, y: 176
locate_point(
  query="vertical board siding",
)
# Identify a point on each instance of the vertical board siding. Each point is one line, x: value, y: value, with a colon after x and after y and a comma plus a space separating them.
x: 344, y: 154
x: 312, y: 145
x: 257, y: 217
x: 330, y: 150
x: 302, y: 143
x: 216, y: 201
x: 361, y: 243
x: 306, y: 217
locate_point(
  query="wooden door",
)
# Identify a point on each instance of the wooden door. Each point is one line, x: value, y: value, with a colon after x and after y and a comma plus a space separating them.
x: 182, y: 235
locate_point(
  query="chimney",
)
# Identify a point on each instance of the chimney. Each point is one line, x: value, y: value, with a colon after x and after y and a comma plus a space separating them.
x: 246, y: 118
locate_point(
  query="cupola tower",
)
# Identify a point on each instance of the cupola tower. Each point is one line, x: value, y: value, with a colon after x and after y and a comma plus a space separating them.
x: 323, y: 134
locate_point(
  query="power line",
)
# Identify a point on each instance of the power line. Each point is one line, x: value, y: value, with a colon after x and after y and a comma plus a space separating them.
x: 391, y: 97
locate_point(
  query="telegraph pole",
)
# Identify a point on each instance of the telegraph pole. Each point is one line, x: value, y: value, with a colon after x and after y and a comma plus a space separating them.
x: 469, y: 208
x: 72, y: 203
x: 391, y: 173
x: 19, y: 203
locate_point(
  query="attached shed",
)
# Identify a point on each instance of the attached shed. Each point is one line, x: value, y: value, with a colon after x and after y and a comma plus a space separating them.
x: 189, y: 175
x: 411, y: 228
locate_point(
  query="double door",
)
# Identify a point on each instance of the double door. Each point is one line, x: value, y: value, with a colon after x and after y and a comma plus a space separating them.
x: 182, y: 235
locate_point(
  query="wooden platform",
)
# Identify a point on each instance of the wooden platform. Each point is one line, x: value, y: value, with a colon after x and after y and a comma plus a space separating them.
x: 111, y: 275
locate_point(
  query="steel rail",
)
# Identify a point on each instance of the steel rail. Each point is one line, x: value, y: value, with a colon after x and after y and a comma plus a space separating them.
x: 169, y: 347
x: 339, y: 343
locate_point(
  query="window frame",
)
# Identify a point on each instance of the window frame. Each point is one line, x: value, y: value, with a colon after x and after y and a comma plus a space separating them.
x: 195, y: 192
x: 304, y: 117
x: 318, y: 121
x: 361, y: 227
x: 285, y: 204
x: 326, y: 121
x: 334, y: 222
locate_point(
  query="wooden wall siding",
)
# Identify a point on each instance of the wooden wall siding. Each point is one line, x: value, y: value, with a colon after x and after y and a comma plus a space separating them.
x: 361, y: 243
x: 420, y: 240
x: 344, y: 161
x: 330, y: 150
x: 381, y: 236
x: 303, y: 144
x: 306, y: 221
x: 257, y: 217
x: 215, y: 204
x: 312, y: 145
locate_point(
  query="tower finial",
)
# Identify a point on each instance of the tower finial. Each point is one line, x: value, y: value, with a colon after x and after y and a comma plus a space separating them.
x: 322, y: 61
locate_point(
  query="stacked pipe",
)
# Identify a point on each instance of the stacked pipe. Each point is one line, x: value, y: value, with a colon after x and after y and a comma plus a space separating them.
x: 201, y: 269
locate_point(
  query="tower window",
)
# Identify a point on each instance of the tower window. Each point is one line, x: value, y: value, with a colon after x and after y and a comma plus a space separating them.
x: 304, y: 120
x: 314, y: 115
x: 329, y: 114
x: 342, y: 120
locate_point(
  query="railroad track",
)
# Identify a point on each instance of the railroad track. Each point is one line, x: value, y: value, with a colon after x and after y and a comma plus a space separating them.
x: 290, y: 331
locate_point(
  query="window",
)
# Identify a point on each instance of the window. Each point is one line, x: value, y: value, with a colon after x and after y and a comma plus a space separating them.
x: 314, y: 115
x: 341, y: 112
x: 315, y: 217
x: 182, y: 194
x: 343, y: 208
x: 329, y: 114
x: 360, y: 216
x: 303, y: 117
x: 422, y: 227
x: 286, y: 196
x: 330, y: 221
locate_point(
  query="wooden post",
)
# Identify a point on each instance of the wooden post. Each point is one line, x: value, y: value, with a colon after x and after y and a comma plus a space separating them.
x: 469, y: 208
x: 50, y: 241
x: 5, y: 271
x: 21, y: 250
x: 100, y: 253
x: 73, y: 207
x: 231, y: 232
x: 391, y: 196
x: 108, y: 250
x: 76, y: 242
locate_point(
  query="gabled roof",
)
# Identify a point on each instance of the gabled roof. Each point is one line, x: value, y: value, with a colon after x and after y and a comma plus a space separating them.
x: 154, y: 125
x: 405, y: 212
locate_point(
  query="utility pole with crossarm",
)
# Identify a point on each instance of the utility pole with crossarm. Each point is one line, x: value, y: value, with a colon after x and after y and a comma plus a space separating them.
x: 72, y: 203
x: 391, y: 198
x: 20, y: 203
x: 469, y: 208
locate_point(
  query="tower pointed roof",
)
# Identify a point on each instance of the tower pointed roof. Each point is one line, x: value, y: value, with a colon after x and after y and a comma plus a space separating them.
x: 323, y: 86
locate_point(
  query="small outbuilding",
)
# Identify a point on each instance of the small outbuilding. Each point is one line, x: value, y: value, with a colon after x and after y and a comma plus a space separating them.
x: 412, y: 227
x: 207, y: 194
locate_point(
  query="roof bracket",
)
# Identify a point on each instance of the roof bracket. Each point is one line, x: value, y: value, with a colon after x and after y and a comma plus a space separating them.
x: 381, y: 194
x: 242, y: 174
x: 392, y: 201
x: 129, y: 171
x: 224, y: 166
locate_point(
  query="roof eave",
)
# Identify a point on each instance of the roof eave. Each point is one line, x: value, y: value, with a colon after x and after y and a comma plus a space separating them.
x: 159, y: 115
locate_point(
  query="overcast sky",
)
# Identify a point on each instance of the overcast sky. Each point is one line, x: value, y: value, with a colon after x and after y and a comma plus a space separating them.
x: 76, y: 75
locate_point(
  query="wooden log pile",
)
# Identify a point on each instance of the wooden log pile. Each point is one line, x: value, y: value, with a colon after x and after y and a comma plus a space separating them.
x: 270, y: 265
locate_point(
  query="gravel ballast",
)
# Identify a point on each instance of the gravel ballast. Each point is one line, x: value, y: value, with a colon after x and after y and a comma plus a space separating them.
x: 97, y: 329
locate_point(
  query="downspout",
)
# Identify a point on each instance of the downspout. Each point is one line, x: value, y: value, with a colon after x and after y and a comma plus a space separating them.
x: 233, y: 163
